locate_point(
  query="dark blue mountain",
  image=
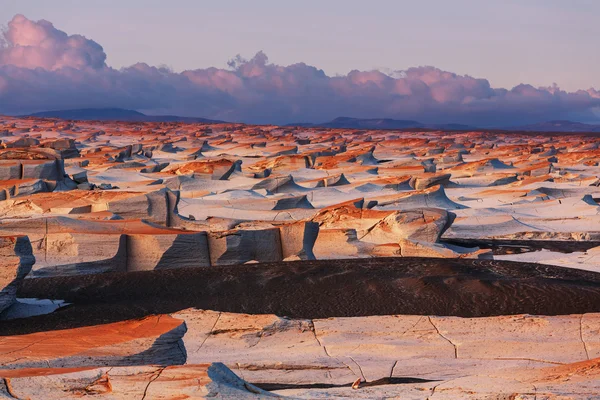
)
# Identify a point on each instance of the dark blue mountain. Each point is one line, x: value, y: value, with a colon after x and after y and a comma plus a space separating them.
x: 116, y: 114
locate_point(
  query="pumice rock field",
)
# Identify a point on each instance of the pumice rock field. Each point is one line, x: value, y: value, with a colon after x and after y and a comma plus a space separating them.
x: 153, y: 260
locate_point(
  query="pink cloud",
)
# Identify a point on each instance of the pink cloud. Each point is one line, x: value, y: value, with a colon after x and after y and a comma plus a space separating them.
x: 42, y: 67
x: 31, y: 44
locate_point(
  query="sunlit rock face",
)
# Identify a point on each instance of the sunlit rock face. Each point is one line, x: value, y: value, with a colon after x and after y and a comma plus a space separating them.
x: 107, y: 196
x: 152, y: 340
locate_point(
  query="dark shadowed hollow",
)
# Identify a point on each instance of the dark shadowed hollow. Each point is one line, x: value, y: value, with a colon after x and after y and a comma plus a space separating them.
x: 319, y: 289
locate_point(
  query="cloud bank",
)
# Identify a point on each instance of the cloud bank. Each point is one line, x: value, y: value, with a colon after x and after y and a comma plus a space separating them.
x: 43, y: 68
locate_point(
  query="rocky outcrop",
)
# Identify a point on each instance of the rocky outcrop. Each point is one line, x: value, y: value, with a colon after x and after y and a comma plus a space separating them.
x: 415, y: 248
x: 245, y: 245
x: 424, y: 182
x: 66, y: 247
x: 340, y: 243
x: 427, y: 225
x: 364, y: 233
x: 25, y: 173
x: 298, y: 240
x: 153, y: 206
x: 16, y: 259
x: 434, y: 196
x: 207, y: 169
x: 165, y: 251
x: 85, y: 247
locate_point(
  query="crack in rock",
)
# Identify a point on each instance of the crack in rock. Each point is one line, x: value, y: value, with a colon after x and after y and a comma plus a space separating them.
x: 521, y: 359
x: 587, y: 355
x: 209, y: 333
x: 444, y: 337
x: 392, y: 369
x: 314, y: 331
x: 433, y: 389
x: 154, y: 377
x: 359, y: 368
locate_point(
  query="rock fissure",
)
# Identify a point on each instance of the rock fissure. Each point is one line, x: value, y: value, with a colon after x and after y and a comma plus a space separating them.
x: 156, y: 374
x: 314, y: 330
x: 587, y: 355
x: 209, y: 333
x: 444, y: 337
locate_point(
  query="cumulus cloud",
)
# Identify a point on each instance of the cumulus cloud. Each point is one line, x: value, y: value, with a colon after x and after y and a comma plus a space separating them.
x: 39, y: 44
x: 43, y: 68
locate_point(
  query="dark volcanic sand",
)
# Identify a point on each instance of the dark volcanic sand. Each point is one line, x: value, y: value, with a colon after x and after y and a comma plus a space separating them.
x: 319, y: 289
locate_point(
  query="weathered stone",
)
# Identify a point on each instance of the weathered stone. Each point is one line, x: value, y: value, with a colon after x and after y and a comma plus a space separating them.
x: 201, y: 381
x: 424, y: 182
x: 165, y: 251
x: 298, y: 240
x: 243, y: 245
x: 16, y: 260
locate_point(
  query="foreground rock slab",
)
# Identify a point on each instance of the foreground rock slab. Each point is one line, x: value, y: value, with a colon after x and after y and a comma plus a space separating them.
x: 401, y: 355
x: 203, y: 381
x: 394, y: 356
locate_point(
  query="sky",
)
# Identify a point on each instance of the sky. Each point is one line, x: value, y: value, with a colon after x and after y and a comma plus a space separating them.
x: 536, y: 43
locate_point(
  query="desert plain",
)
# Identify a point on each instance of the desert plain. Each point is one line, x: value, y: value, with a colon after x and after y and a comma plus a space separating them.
x: 155, y: 260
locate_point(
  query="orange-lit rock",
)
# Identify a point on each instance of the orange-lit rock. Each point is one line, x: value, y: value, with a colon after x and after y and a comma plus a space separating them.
x: 506, y: 186
x: 151, y: 340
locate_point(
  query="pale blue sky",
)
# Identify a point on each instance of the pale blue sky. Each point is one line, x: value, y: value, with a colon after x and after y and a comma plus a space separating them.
x: 508, y: 42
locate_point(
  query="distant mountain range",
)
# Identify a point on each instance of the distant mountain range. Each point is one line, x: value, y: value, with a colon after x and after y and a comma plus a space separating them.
x: 120, y: 114
x: 559, y: 126
x: 388, y: 123
x: 384, y: 123
x: 116, y: 114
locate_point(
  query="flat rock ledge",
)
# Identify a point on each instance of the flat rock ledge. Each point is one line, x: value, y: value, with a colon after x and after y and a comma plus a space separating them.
x: 230, y: 355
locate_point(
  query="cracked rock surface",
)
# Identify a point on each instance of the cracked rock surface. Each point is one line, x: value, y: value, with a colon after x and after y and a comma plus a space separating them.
x: 405, y: 356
